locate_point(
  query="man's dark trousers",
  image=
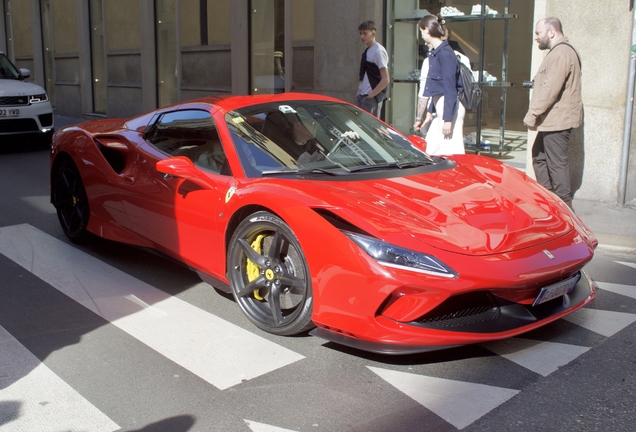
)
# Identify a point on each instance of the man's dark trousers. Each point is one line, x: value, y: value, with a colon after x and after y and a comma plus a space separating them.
x: 550, y: 162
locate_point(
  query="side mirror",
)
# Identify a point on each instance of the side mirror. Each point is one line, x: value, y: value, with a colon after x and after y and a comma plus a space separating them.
x: 418, y: 142
x: 25, y: 73
x: 182, y: 167
x: 178, y: 166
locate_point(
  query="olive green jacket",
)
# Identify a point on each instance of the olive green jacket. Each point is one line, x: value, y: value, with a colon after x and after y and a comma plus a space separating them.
x: 556, y: 96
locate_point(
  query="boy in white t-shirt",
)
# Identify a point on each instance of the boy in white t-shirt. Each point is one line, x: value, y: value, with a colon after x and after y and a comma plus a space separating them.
x: 374, y: 73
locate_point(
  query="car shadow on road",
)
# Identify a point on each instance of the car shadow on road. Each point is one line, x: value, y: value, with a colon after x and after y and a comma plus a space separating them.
x: 425, y: 358
x: 24, y: 143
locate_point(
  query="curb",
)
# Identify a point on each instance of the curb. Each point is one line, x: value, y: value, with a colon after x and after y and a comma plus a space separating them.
x: 616, y: 243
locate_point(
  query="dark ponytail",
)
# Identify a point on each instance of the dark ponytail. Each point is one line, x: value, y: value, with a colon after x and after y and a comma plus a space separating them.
x: 435, y: 24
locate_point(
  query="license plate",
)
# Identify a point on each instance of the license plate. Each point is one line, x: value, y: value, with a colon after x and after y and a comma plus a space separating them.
x: 556, y: 290
x: 9, y: 112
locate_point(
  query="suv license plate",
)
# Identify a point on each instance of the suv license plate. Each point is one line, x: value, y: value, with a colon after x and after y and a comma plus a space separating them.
x: 9, y: 112
x: 556, y: 290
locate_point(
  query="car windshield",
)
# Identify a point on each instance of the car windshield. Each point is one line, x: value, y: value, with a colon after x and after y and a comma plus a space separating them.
x: 314, y: 137
x: 7, y: 70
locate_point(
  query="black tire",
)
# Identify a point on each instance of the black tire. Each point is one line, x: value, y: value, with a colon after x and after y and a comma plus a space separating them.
x: 277, y: 295
x: 70, y: 201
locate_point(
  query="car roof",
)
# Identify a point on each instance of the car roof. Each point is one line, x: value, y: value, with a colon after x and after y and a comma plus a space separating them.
x: 232, y: 102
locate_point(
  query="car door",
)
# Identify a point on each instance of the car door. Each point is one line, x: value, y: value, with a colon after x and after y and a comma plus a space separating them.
x: 177, y: 214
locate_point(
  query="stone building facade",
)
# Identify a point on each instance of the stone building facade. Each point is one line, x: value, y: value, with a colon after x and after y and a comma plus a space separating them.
x: 119, y: 58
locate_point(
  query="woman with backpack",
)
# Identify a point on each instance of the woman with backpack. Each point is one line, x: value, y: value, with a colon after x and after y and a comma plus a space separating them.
x: 446, y: 132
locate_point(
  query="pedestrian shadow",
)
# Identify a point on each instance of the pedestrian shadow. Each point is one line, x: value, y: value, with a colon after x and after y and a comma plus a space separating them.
x: 181, y: 423
x: 9, y: 411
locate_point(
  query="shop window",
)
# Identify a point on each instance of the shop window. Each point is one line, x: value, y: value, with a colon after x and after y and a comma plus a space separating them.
x: 19, y: 39
x: 204, y: 30
x: 204, y: 22
x: 61, y: 49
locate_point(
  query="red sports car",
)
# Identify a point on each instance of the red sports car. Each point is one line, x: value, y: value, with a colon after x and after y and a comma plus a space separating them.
x: 317, y: 215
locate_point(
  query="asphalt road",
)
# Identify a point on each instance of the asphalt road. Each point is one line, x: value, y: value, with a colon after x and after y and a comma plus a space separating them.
x: 108, y: 337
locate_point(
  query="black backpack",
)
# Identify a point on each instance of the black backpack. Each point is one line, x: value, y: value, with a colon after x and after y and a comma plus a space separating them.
x: 468, y: 90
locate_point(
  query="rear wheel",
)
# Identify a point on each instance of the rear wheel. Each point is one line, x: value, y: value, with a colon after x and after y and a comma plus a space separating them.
x: 269, y: 275
x: 70, y: 201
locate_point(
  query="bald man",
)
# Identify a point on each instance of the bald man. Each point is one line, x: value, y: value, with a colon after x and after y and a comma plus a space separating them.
x: 555, y: 108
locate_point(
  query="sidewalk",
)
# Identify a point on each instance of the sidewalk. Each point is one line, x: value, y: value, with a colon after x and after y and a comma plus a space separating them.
x: 614, y: 226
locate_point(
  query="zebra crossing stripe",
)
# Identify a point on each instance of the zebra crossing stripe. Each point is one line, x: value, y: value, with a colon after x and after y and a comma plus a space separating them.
x: 626, y: 290
x: 606, y: 323
x: 540, y: 357
x: 262, y: 427
x: 628, y: 264
x: 459, y: 403
x: 33, y: 398
x: 217, y: 351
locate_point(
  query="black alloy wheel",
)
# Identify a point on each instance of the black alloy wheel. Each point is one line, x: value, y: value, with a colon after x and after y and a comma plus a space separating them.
x: 269, y: 275
x: 70, y: 201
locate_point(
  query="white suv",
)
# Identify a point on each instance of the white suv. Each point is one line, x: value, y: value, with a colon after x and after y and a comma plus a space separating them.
x: 24, y: 106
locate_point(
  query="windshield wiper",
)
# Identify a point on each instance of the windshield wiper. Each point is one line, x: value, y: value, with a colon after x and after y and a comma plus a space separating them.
x: 391, y: 165
x: 301, y: 171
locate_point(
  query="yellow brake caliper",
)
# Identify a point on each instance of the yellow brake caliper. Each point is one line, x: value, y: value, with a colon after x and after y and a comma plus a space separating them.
x: 252, y: 269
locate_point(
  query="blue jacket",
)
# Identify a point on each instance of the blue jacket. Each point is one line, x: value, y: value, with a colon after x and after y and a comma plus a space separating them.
x: 443, y: 73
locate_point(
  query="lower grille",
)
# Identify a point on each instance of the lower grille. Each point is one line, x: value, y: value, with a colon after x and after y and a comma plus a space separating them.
x: 18, y: 125
x: 462, y: 310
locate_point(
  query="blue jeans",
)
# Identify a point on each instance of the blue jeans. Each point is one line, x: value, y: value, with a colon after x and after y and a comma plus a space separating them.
x: 369, y: 105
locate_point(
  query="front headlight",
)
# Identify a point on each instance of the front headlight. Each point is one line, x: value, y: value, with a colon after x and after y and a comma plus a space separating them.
x: 395, y: 256
x: 38, y: 98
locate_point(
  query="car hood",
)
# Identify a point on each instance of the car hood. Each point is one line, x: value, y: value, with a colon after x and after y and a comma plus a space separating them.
x: 10, y: 87
x: 480, y: 207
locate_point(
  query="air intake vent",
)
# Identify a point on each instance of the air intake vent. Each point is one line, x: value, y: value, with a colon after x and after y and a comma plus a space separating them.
x: 462, y: 310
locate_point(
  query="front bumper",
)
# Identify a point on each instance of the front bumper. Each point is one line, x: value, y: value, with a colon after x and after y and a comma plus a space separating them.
x: 33, y: 119
x: 499, y: 321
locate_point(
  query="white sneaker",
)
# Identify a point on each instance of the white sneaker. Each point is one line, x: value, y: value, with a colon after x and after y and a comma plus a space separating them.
x: 488, y: 77
x: 477, y: 10
x: 450, y: 11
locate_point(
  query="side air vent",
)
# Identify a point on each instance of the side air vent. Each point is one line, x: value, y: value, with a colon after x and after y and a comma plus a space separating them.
x: 114, y: 157
x: 338, y: 222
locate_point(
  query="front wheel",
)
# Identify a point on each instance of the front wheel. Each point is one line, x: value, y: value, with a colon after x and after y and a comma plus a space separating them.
x: 269, y: 275
x: 70, y: 201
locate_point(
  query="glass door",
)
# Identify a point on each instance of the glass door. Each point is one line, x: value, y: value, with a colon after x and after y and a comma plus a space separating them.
x: 98, y: 57
x: 267, y: 42
x: 47, y: 42
x: 166, y: 34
